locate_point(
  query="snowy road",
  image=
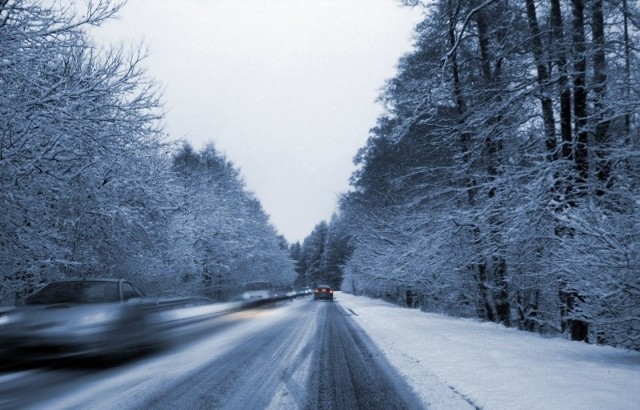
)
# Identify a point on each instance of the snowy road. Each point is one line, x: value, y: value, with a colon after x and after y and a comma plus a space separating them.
x: 299, y: 354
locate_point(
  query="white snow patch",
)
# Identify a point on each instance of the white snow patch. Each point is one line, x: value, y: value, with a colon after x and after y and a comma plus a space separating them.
x: 494, y: 367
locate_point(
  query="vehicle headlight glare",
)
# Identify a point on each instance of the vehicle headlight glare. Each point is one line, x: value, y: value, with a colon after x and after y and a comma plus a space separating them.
x: 96, y: 318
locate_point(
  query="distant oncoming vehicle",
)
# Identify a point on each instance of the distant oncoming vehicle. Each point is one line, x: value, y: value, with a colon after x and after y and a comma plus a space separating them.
x: 323, y: 292
x: 258, y: 292
x: 93, y: 317
x: 290, y: 292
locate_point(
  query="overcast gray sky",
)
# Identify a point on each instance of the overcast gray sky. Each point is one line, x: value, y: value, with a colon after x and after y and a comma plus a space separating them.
x: 285, y: 89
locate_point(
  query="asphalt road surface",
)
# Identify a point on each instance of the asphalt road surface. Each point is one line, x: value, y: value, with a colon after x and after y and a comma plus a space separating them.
x: 302, y: 354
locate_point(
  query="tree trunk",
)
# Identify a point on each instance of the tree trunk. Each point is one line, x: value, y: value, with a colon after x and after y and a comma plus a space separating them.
x: 528, y: 306
x: 559, y: 45
x: 543, y: 81
x: 488, y: 304
x: 627, y: 72
x: 493, y: 148
x: 601, y: 115
x: 580, y: 95
x: 503, y: 304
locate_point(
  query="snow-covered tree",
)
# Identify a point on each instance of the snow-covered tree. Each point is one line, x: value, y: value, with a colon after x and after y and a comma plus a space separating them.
x: 221, y: 231
x: 89, y: 185
x: 501, y: 182
x: 81, y: 166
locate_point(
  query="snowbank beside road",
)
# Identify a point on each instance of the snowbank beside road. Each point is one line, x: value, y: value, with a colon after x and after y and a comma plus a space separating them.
x: 493, y: 367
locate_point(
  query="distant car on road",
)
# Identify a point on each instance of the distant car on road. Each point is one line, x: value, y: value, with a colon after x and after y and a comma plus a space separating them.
x: 290, y: 292
x: 93, y: 317
x: 323, y: 292
x: 260, y: 291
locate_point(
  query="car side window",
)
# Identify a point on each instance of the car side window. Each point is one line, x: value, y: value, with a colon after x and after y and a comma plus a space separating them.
x: 129, y: 292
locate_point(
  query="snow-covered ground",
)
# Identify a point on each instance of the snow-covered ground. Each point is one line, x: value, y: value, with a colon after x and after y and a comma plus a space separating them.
x: 493, y: 367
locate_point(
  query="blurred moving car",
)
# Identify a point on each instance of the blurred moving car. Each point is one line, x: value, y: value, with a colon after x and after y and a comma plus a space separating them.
x: 290, y: 292
x: 323, y: 292
x: 93, y: 317
x: 260, y: 291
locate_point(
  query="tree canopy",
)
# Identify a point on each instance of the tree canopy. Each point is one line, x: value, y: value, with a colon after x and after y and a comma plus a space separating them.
x: 501, y: 182
x: 90, y: 185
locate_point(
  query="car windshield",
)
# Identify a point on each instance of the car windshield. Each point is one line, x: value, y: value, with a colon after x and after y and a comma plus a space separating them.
x: 76, y: 292
x: 257, y: 286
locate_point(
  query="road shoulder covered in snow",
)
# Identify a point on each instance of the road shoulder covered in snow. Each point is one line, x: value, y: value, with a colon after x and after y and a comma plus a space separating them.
x: 454, y: 363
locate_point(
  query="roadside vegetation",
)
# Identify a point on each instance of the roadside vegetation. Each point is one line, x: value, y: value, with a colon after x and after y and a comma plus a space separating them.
x: 502, y: 180
x: 90, y: 184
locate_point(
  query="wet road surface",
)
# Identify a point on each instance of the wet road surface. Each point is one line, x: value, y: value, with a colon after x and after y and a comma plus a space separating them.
x: 302, y: 354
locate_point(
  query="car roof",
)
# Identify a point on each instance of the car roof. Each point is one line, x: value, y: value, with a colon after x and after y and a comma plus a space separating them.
x: 258, y: 285
x: 90, y: 280
x: 323, y: 286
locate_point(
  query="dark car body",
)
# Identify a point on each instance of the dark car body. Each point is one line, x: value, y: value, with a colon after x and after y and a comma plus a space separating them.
x: 93, y: 317
x: 323, y: 292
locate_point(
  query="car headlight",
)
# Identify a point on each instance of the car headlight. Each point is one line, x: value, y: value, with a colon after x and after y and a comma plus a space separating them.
x: 8, y: 317
x: 97, y: 318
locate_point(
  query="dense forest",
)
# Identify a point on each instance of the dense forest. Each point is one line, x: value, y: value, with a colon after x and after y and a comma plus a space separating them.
x: 502, y: 180
x: 90, y: 185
